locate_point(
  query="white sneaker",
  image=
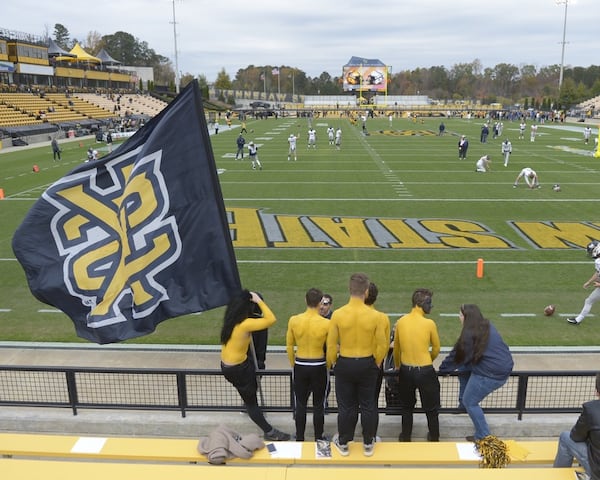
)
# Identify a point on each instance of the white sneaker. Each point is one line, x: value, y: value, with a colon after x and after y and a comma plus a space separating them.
x: 368, y: 449
x: 343, y: 450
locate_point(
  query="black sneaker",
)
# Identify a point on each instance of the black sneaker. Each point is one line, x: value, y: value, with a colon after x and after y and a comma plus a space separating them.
x: 573, y: 321
x: 277, y: 436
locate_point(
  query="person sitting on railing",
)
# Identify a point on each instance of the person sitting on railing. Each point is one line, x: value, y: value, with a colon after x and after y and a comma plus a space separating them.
x: 583, y: 441
x: 483, y: 362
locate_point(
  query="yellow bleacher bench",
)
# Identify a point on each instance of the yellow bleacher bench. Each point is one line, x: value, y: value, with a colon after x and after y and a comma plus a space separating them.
x: 296, y: 453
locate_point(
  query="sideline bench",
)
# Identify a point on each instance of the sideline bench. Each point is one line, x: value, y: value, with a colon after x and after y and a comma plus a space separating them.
x: 76, y: 470
x: 303, y: 453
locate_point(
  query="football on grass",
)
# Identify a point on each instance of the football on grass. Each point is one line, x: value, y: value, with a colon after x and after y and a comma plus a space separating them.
x: 549, y: 310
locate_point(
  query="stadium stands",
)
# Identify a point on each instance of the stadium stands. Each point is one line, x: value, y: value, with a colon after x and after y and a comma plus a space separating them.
x: 79, y: 105
x: 17, y: 109
x: 134, y: 104
x: 591, y: 106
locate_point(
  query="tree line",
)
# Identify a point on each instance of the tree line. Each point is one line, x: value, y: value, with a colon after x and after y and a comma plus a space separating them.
x: 504, y: 83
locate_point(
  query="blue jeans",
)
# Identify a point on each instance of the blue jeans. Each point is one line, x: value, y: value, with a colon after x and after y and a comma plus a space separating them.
x: 473, y: 389
x: 567, y: 449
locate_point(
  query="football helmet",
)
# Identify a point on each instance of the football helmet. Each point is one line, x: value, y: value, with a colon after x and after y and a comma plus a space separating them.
x: 591, y: 247
x: 353, y: 77
x: 376, y: 78
x: 596, y: 251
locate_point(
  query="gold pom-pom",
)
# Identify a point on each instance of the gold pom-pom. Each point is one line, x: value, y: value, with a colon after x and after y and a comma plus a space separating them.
x: 493, y: 451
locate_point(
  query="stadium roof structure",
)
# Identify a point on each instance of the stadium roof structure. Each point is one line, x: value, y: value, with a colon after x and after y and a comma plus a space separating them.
x: 80, y: 55
x: 55, y: 51
x: 106, y: 59
x: 364, y: 62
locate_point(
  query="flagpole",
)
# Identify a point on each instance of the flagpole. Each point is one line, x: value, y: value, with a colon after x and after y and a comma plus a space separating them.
x: 265, y: 84
x: 278, y: 81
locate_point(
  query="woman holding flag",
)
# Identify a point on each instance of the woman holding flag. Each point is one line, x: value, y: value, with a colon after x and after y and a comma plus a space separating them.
x: 236, y: 340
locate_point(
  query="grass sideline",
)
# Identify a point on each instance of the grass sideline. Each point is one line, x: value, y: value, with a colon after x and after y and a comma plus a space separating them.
x: 404, y: 174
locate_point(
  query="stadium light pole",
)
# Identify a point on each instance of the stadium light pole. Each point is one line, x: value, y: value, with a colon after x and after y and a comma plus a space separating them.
x: 293, y: 85
x: 177, y: 78
x: 562, y: 58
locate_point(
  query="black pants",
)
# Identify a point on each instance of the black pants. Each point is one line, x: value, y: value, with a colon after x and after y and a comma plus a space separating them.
x: 424, y: 379
x: 310, y: 377
x: 243, y: 378
x: 261, y: 340
x: 355, y: 380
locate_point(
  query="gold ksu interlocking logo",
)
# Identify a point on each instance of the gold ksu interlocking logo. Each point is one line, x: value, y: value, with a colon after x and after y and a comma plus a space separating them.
x: 115, y: 234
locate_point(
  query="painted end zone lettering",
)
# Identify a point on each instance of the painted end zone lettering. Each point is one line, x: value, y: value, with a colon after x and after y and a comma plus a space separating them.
x: 253, y: 228
x: 558, y: 235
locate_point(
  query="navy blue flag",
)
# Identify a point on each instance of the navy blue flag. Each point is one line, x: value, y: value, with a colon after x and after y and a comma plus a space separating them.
x: 140, y: 236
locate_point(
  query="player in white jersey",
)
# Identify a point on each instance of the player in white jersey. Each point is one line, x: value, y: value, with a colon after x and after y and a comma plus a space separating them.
x: 330, y: 134
x: 533, y: 133
x: 253, y: 154
x: 483, y: 164
x: 338, y: 138
x: 522, y: 126
x: 312, y: 138
x: 593, y: 249
x: 587, y: 132
x: 506, y: 151
x: 530, y: 176
x: 292, y: 150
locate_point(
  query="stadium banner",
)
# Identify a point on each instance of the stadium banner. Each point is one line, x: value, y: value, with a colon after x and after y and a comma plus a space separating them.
x: 125, y: 242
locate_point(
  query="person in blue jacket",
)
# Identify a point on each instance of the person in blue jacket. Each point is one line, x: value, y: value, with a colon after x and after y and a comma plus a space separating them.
x: 483, y: 361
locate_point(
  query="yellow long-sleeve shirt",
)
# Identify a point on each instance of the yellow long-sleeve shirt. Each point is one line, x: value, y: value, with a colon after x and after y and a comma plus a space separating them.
x: 235, y: 351
x: 358, y: 331
x: 416, y: 340
x: 385, y: 323
x: 306, y: 335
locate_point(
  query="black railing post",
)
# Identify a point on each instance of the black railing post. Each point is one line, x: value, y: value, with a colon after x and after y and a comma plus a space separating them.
x: 522, y: 395
x: 182, y: 393
x: 72, y: 390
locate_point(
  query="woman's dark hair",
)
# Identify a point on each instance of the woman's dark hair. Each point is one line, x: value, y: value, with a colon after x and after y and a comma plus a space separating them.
x: 238, y: 309
x: 475, y: 331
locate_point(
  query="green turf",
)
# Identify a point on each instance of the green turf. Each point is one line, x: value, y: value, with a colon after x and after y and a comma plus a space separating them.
x: 444, y: 215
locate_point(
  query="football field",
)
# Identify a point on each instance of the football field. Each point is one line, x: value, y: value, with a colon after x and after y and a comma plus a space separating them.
x: 395, y: 202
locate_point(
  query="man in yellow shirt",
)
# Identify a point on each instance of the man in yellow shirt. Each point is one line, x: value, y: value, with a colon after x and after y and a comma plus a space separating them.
x: 305, y: 345
x: 416, y: 345
x: 356, y: 344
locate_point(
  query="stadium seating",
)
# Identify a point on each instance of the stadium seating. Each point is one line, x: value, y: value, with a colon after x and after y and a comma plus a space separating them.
x: 18, y: 109
x: 133, y: 103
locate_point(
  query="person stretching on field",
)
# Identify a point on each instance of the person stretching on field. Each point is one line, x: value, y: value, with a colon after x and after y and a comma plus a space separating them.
x: 531, y: 178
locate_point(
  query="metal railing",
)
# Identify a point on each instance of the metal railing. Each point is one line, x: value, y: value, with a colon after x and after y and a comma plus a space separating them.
x: 207, y: 390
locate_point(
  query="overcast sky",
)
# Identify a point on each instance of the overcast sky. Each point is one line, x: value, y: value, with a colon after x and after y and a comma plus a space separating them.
x: 321, y: 35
